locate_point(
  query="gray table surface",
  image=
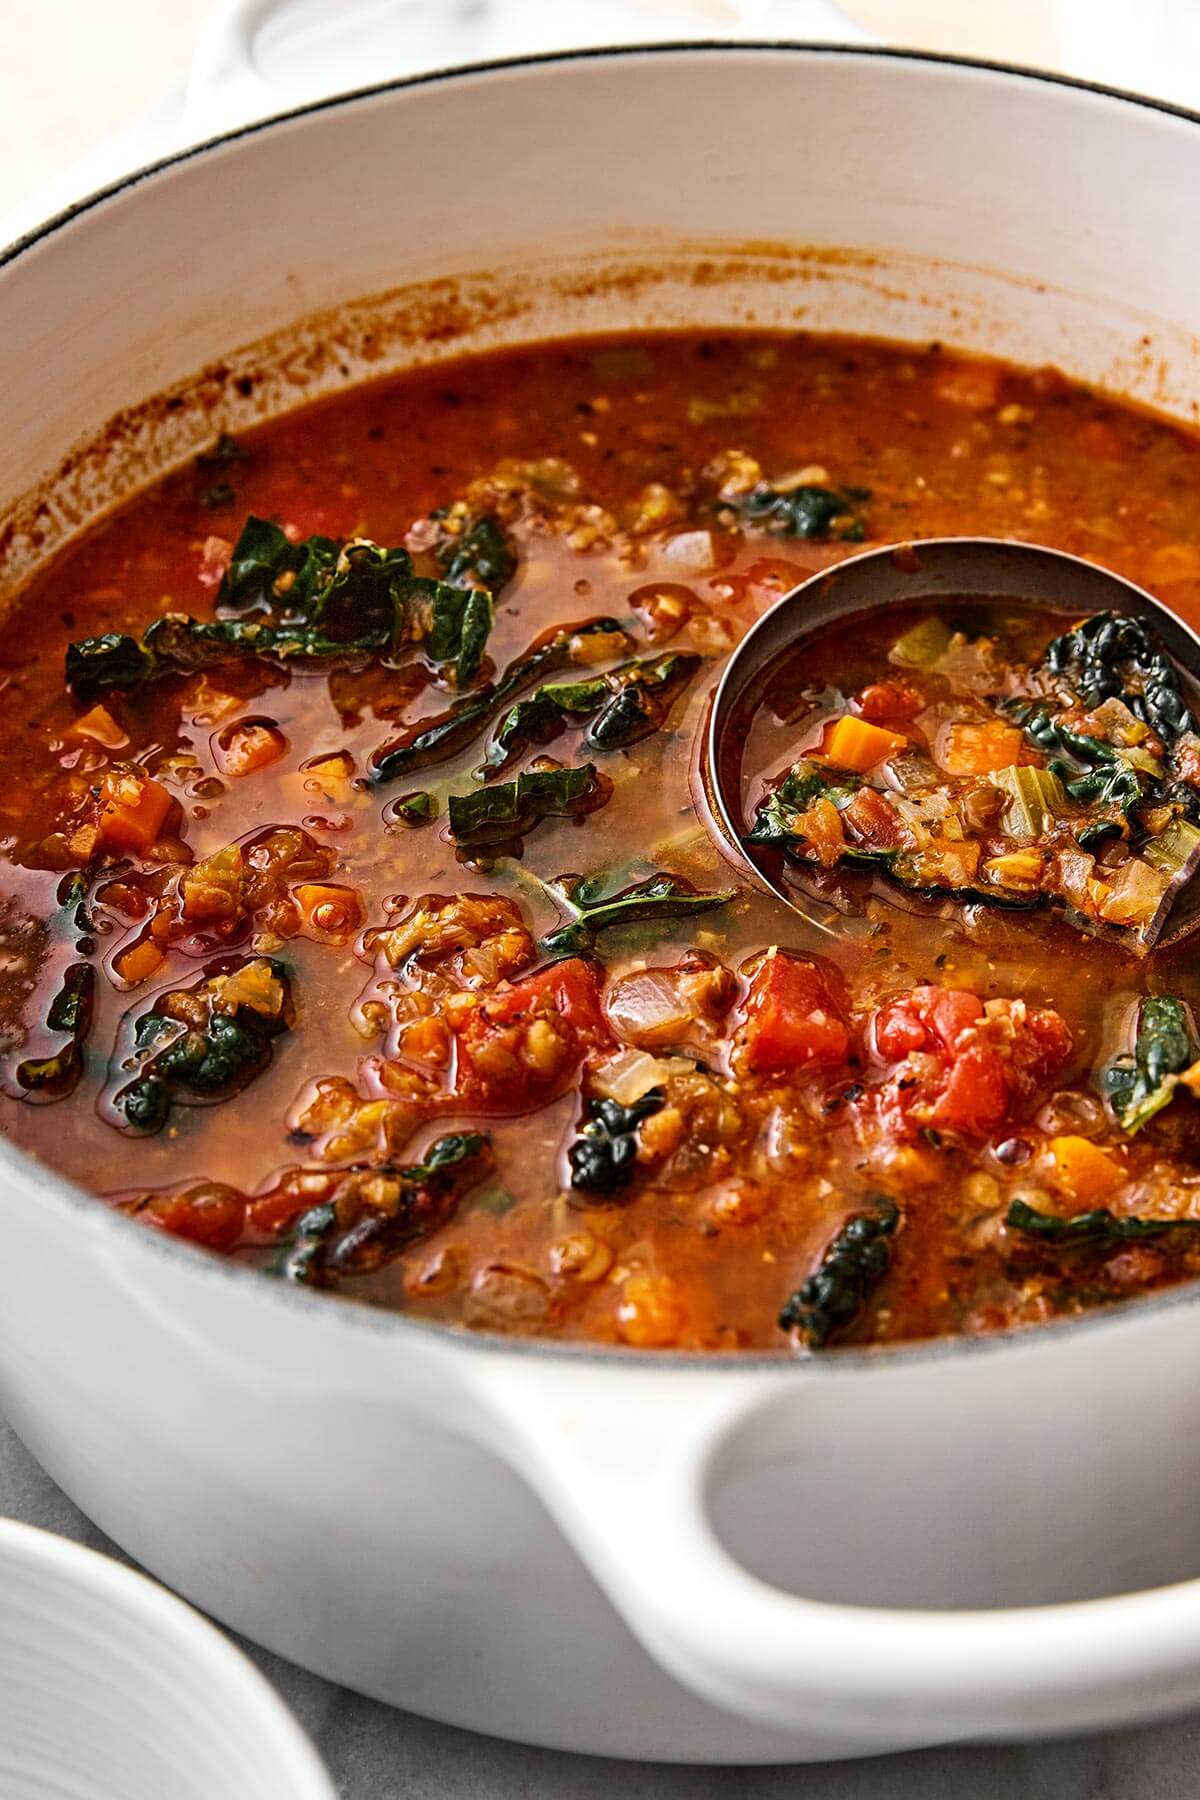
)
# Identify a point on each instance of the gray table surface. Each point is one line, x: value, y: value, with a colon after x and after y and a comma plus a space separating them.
x: 376, y: 1753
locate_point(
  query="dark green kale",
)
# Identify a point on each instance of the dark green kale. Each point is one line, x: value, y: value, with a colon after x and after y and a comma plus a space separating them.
x: 1118, y: 783
x: 1115, y: 656
x: 411, y: 810
x: 113, y: 660
x: 375, y: 1213
x: 501, y: 815
x: 479, y: 555
x: 70, y: 1012
x: 206, y: 1042
x: 1099, y: 1229
x: 661, y: 896
x: 443, y: 737
x: 604, y: 1155
x: 311, y: 601
x: 625, y: 705
x: 462, y: 624
x: 1140, y: 1084
x: 854, y: 1262
x: 1096, y: 772
x: 806, y: 512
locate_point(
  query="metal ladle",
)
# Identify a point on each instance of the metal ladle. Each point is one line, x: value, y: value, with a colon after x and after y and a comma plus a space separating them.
x: 988, y: 570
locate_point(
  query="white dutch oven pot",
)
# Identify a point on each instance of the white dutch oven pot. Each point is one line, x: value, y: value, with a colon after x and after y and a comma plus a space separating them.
x: 717, y: 1559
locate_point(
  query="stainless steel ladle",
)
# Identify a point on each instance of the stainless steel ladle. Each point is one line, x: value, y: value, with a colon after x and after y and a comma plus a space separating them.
x: 937, y: 569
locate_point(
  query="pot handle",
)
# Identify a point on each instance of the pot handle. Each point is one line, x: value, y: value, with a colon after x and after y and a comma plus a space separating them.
x: 626, y: 1466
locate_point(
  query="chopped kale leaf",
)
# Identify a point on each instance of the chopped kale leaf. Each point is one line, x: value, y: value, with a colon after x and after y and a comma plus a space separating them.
x: 315, y: 600
x: 377, y: 1212
x: 69, y: 1012
x: 604, y: 1155
x: 506, y: 812
x: 1098, y: 1229
x: 831, y: 1298
x: 806, y: 511
x: 442, y: 737
x: 479, y: 555
x: 1140, y: 1084
x: 205, y: 1042
x: 624, y: 706
x: 661, y: 896
x: 1115, y: 656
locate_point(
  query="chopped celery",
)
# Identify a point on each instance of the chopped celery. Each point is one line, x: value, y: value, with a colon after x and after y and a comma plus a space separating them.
x: 1174, y: 848
x: 1034, y: 797
x: 921, y: 647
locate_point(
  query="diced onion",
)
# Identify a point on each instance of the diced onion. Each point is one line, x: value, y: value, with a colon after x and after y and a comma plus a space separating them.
x: 629, y: 1074
x: 647, y: 1009
x: 691, y: 549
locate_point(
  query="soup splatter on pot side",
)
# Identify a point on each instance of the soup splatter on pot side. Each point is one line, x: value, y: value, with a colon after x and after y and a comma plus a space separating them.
x: 358, y: 922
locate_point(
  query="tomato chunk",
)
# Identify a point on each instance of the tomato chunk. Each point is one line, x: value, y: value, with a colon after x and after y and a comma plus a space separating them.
x: 790, y: 1018
x: 209, y: 1213
x: 961, y: 1064
x: 524, y: 1042
x: 874, y: 822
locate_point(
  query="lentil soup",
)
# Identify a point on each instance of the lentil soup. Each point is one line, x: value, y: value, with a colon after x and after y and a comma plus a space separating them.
x: 359, y: 922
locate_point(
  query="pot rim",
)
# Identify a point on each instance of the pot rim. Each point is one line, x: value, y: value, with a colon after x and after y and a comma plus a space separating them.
x: 49, y: 1185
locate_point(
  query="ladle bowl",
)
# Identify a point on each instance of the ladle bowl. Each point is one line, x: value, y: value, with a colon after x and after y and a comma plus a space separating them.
x: 959, y: 569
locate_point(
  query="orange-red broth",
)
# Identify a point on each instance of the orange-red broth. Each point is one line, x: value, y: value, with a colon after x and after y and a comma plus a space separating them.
x: 704, y: 1247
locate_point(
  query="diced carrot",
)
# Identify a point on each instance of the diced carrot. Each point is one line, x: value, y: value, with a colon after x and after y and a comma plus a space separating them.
x: 821, y: 829
x: 980, y: 748
x: 1083, y: 1170
x: 329, y: 913
x: 249, y: 745
x: 133, y: 809
x: 101, y: 727
x: 139, y: 961
x: 857, y: 744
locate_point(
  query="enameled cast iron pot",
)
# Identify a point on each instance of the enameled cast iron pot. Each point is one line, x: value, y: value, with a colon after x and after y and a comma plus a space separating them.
x: 714, y: 1558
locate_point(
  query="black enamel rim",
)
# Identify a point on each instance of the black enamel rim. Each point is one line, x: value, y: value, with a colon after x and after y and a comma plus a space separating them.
x: 50, y: 1185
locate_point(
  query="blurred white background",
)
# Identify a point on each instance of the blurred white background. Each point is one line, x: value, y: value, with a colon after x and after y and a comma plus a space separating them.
x: 74, y: 72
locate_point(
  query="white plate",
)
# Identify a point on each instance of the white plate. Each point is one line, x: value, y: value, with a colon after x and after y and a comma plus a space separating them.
x: 110, y: 1689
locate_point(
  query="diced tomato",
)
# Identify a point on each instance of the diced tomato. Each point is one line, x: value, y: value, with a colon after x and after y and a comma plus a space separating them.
x: 928, y: 1018
x: 874, y: 822
x: 573, y: 986
x: 884, y: 701
x: 976, y: 1096
x: 790, y: 1018
x: 963, y: 1066
x: 524, y: 1042
x: 209, y: 1213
